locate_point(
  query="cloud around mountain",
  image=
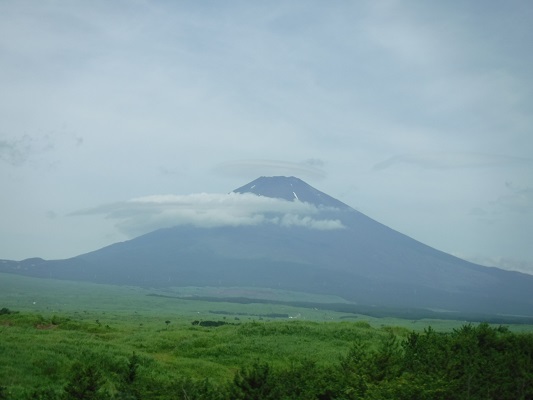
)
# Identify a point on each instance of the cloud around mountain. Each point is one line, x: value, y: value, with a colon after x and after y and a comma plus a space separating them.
x: 145, y: 214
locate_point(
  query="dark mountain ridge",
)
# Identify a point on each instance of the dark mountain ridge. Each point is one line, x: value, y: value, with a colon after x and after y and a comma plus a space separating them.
x: 364, y: 261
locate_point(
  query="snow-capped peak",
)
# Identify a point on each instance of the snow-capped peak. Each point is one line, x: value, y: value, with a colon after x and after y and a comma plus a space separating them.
x: 291, y: 189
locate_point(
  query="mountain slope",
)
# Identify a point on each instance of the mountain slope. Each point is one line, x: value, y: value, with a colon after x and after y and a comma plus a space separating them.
x: 364, y: 261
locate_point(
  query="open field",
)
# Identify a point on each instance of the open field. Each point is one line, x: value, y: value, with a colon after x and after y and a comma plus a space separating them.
x: 87, y: 301
x: 174, y: 343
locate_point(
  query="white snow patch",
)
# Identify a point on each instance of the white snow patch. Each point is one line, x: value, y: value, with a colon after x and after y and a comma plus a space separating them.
x: 295, y: 196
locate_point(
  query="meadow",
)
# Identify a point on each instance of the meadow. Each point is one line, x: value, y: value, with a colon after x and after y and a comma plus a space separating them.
x: 63, y: 340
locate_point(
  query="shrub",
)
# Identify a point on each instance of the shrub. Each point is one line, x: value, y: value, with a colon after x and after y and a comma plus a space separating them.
x: 84, y: 383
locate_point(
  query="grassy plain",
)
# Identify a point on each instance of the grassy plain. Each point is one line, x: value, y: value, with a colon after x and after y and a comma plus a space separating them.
x: 110, y: 304
x: 58, y: 323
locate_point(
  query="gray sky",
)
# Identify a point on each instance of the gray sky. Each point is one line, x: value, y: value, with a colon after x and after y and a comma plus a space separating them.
x: 418, y: 114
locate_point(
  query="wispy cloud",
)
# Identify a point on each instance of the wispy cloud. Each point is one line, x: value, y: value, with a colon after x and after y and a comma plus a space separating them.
x: 15, y: 151
x: 310, y: 168
x: 452, y: 160
x: 507, y: 263
x: 519, y: 199
x: 145, y: 214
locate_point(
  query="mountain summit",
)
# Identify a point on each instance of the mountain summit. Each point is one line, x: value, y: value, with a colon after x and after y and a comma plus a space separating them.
x: 290, y: 188
x: 363, y: 262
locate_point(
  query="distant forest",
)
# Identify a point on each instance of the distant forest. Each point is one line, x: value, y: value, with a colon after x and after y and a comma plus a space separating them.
x: 371, y: 310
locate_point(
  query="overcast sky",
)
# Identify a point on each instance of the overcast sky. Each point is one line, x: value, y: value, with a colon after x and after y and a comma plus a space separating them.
x: 417, y: 113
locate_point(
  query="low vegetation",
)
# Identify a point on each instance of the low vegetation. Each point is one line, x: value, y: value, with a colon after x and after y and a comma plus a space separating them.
x: 61, y: 358
x: 69, y: 341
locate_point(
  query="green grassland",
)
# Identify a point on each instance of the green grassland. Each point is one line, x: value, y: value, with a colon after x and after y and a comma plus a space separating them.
x: 55, y: 336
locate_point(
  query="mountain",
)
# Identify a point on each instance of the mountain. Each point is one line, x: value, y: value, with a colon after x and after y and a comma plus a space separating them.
x: 291, y: 188
x: 345, y: 253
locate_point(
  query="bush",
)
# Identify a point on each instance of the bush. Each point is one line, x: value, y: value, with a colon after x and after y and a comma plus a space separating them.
x: 85, y: 382
x: 253, y: 383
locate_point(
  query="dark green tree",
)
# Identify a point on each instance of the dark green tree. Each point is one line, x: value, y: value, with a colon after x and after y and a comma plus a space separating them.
x: 84, y: 383
x: 189, y: 389
x: 356, y: 369
x: 44, y: 394
x: 131, y: 372
x: 253, y: 383
x: 386, y: 361
x: 128, y: 388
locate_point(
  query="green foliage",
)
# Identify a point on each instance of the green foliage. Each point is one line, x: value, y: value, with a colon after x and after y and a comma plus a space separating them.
x: 260, y: 360
x: 128, y: 385
x: 305, y: 380
x: 3, y: 393
x: 356, y: 369
x: 85, y: 382
x: 131, y: 371
x: 45, y: 394
x: 54, y: 350
x: 309, y: 380
x: 253, y: 383
x: 189, y: 389
x: 385, y: 361
x: 472, y: 362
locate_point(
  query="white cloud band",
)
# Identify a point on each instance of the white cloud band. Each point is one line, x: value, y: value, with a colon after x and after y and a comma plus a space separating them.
x: 146, y: 214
